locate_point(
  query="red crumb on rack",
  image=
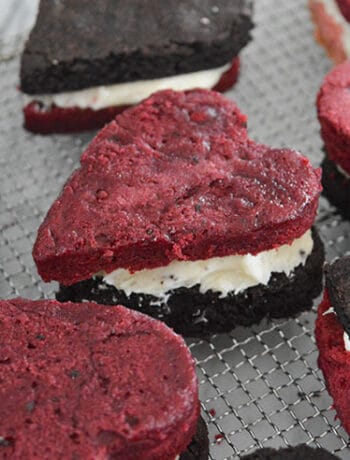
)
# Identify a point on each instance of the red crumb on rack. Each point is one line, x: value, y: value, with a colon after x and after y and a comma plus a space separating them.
x: 219, y: 438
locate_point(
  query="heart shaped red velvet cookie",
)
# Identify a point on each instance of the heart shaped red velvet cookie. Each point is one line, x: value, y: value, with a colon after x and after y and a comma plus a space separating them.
x: 176, y: 180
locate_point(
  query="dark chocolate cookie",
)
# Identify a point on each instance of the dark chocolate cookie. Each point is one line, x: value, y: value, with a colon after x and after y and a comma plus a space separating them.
x: 338, y: 284
x: 199, y: 447
x: 336, y: 187
x: 81, y: 44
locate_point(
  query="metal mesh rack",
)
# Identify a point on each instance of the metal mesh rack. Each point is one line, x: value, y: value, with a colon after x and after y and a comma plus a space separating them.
x: 260, y: 386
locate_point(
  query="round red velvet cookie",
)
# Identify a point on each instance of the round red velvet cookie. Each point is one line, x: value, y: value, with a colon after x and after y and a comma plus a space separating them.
x: 334, y: 360
x: 92, y: 382
x: 67, y: 120
x: 333, y: 108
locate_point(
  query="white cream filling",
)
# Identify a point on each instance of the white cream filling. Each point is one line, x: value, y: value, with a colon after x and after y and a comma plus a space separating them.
x: 329, y: 311
x: 345, y: 335
x: 130, y: 93
x: 220, y: 274
x: 346, y: 341
x: 342, y: 171
x: 333, y: 10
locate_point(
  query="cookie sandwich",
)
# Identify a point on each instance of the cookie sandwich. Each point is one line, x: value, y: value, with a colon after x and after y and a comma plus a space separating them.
x: 332, y: 336
x: 175, y: 212
x: 85, y: 61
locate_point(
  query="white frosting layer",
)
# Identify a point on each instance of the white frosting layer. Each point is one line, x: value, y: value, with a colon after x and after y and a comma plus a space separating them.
x: 333, y: 10
x: 342, y: 171
x: 219, y: 274
x: 131, y: 93
x: 346, y: 342
x: 331, y: 311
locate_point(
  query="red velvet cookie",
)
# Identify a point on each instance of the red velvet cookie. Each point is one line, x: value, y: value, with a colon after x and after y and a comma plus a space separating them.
x: 333, y: 108
x: 89, y: 381
x: 176, y: 180
x: 332, y: 322
x: 41, y: 120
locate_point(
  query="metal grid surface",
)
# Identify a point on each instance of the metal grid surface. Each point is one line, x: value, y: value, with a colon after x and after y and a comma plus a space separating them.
x: 260, y: 386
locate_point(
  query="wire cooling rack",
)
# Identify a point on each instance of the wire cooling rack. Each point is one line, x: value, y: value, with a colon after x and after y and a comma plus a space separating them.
x: 260, y: 386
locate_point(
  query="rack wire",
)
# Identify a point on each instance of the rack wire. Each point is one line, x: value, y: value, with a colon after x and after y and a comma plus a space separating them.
x: 259, y: 386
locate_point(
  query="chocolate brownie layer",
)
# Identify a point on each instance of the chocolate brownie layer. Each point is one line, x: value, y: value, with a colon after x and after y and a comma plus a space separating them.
x: 336, y: 187
x: 192, y: 313
x: 291, y: 453
x: 337, y: 276
x: 199, y: 447
x: 81, y: 44
x: 87, y: 381
x: 175, y: 178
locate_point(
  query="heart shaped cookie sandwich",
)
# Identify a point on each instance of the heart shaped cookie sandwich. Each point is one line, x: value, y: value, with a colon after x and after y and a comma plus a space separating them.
x: 176, y: 212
